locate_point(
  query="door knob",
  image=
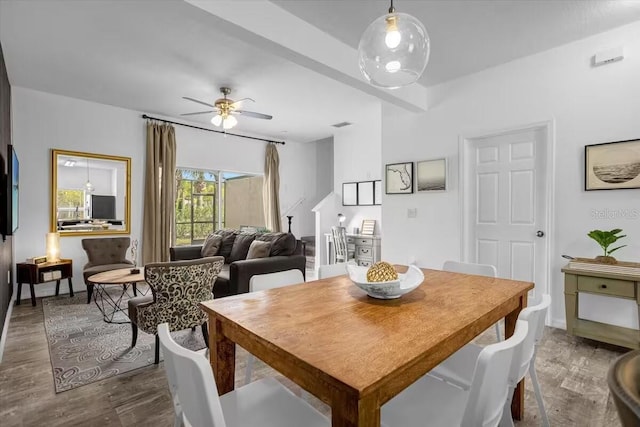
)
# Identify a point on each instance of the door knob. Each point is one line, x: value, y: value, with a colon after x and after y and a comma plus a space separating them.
x: 540, y: 233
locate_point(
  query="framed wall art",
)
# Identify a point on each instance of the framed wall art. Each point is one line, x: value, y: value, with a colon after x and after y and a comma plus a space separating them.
x: 431, y: 175
x: 368, y: 227
x: 399, y: 178
x: 377, y: 192
x: 365, y: 193
x: 349, y: 194
x: 612, y: 165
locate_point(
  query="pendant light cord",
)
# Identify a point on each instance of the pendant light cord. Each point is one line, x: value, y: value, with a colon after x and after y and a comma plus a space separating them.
x: 392, y: 9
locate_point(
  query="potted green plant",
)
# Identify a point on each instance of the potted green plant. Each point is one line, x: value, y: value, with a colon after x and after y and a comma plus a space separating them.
x: 606, y: 239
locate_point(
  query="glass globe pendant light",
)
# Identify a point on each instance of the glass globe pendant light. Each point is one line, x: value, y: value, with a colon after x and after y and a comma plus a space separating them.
x: 394, y: 50
x: 88, y: 186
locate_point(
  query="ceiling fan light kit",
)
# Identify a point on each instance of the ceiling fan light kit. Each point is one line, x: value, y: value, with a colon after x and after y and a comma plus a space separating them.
x: 226, y: 109
x: 394, y: 50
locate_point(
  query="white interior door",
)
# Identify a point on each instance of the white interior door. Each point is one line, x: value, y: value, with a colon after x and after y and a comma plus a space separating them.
x: 507, y: 219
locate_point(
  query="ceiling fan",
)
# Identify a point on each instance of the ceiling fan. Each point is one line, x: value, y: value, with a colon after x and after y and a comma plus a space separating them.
x: 226, y: 109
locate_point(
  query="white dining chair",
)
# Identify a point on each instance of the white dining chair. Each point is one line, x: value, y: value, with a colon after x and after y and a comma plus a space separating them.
x: 458, y: 369
x: 476, y: 269
x: 340, y: 247
x: 433, y: 402
x: 178, y: 420
x: 332, y: 270
x: 264, y: 403
x: 261, y: 282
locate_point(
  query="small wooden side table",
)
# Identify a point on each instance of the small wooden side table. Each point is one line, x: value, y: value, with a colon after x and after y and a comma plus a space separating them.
x: 33, y: 275
x: 111, y: 304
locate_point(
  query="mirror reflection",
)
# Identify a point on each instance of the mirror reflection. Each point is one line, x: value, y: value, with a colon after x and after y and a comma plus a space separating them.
x: 90, y: 193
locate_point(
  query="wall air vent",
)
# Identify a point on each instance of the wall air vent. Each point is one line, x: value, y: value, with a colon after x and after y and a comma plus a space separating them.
x: 342, y: 124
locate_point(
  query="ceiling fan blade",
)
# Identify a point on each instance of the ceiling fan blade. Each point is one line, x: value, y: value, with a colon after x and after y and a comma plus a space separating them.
x: 243, y: 99
x: 199, y: 102
x: 254, y: 115
x: 199, y: 112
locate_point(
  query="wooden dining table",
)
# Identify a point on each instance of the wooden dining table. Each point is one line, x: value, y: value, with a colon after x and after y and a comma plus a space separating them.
x: 355, y: 352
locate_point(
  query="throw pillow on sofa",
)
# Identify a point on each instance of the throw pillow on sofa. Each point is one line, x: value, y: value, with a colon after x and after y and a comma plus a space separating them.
x: 228, y: 237
x: 281, y: 243
x: 241, y: 246
x: 259, y: 249
x: 211, y: 245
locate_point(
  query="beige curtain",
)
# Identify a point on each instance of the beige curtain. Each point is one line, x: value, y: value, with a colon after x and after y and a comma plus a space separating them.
x: 271, y: 188
x: 159, y: 196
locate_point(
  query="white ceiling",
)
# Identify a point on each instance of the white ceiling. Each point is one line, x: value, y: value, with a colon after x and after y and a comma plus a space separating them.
x: 145, y: 55
x: 468, y: 36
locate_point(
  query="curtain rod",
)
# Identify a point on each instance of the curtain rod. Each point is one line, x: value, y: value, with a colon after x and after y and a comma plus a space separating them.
x: 144, y: 116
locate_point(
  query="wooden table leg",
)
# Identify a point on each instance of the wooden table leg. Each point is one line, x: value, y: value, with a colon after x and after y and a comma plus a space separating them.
x: 33, y: 294
x: 348, y: 411
x: 517, y: 405
x: 222, y: 357
x: 19, y: 292
x: 70, y: 286
x: 57, y: 287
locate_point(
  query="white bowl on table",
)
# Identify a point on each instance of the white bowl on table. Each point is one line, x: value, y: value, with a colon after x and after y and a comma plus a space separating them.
x: 391, y: 289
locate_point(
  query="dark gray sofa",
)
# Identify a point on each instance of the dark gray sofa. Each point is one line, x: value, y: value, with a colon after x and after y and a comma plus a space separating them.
x: 237, y: 271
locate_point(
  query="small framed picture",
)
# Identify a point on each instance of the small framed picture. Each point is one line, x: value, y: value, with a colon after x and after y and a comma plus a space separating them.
x: 377, y: 192
x: 432, y: 175
x: 349, y: 194
x: 612, y: 166
x: 368, y: 227
x: 365, y: 193
x: 399, y: 178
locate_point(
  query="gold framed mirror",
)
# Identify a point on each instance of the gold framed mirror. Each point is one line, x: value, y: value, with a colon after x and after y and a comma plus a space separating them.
x: 90, y: 193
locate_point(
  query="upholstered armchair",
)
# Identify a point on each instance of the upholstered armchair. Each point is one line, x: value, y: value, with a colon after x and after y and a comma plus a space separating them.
x: 177, y: 288
x: 104, y: 254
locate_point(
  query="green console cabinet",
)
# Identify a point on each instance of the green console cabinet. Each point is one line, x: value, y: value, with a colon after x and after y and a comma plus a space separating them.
x: 611, y: 284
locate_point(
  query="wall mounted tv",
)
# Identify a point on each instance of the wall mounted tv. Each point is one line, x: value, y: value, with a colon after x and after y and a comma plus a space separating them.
x: 12, y: 192
x: 103, y: 207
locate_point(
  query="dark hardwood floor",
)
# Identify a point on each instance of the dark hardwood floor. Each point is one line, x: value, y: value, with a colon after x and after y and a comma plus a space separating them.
x: 572, y: 372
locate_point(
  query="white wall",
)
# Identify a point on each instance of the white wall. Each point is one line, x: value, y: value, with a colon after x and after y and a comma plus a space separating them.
x: 298, y: 186
x: 324, y: 168
x: 357, y: 157
x: 42, y: 121
x: 587, y: 104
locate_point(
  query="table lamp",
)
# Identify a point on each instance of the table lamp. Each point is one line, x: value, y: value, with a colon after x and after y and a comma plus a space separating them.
x: 53, y: 247
x: 341, y: 219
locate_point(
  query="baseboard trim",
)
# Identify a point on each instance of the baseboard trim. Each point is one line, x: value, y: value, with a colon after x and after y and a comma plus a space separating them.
x: 5, y: 329
x: 558, y: 323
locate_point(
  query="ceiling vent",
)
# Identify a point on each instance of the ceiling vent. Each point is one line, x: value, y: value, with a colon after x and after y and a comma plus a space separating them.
x: 342, y: 124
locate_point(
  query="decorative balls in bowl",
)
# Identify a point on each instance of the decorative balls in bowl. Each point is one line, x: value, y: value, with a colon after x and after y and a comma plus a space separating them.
x: 383, y: 282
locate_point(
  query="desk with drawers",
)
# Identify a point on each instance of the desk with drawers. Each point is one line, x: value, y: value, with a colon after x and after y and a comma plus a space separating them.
x: 364, y: 249
x: 609, y: 284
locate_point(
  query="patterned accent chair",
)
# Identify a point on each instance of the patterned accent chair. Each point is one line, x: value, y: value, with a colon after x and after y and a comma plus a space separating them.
x: 177, y: 288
